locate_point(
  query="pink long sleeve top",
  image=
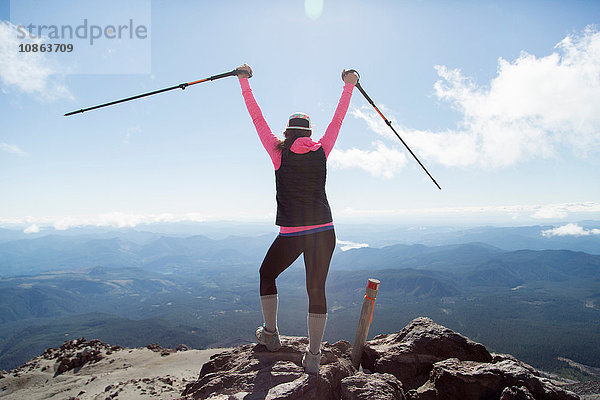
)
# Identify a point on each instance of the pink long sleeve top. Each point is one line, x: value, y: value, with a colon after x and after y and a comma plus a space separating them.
x: 301, y: 145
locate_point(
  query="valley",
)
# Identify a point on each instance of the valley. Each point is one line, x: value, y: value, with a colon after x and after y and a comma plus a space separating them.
x: 539, y: 305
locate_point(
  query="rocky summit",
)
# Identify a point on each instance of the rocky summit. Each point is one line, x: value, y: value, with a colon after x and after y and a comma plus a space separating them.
x: 424, y: 361
x: 251, y: 372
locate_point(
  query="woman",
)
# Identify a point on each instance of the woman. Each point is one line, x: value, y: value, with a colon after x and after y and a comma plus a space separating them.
x: 303, y: 215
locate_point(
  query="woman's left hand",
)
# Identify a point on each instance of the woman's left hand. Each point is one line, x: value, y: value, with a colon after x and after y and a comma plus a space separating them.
x: 246, y: 71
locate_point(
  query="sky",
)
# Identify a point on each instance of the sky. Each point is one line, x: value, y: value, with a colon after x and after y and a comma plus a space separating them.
x: 500, y: 100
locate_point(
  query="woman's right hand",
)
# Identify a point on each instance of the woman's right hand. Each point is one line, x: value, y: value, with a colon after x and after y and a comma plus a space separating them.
x: 349, y: 76
x: 247, y: 71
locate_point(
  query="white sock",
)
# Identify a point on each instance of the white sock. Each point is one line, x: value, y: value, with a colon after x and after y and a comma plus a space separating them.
x: 316, y: 328
x: 269, y: 310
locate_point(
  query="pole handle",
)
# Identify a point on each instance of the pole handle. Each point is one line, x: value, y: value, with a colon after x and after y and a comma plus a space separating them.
x: 234, y: 72
x: 239, y: 72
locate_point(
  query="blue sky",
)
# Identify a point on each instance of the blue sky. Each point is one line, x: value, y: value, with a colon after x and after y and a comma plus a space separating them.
x: 498, y: 99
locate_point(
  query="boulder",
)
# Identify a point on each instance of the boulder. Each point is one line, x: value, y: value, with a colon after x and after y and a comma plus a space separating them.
x: 363, y: 386
x: 252, y: 372
x: 75, y: 354
x: 155, y: 347
x: 506, y: 379
x: 409, y: 355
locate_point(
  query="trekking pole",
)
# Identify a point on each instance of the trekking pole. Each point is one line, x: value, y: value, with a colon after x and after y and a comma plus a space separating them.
x: 181, y: 86
x: 388, y: 122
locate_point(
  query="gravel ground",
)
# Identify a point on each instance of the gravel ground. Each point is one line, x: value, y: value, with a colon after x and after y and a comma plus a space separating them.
x: 75, y: 371
x: 586, y: 390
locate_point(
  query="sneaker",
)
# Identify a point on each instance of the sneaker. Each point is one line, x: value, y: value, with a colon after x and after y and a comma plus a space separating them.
x: 311, y: 362
x: 269, y: 339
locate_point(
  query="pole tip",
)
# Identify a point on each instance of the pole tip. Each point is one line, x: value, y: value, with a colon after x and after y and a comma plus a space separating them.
x: 74, y: 112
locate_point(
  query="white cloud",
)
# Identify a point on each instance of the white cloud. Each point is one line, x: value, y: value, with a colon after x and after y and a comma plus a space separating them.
x: 521, y: 212
x: 582, y: 210
x: 383, y: 161
x: 121, y: 220
x: 550, y: 212
x: 562, y: 210
x: 112, y: 219
x: 32, y: 229
x: 29, y: 72
x: 570, y: 230
x: 374, y: 120
x: 534, y: 107
x: 13, y: 149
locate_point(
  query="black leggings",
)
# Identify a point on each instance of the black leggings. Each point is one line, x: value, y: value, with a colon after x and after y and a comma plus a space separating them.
x: 317, y: 248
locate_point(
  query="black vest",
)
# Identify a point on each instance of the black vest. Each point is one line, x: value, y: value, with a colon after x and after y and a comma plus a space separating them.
x: 300, y: 181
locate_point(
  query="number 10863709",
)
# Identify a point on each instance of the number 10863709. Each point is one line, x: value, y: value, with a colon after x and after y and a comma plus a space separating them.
x: 45, y: 48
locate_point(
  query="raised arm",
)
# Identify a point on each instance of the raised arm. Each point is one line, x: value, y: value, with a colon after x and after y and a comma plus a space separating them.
x: 268, y: 140
x: 331, y: 134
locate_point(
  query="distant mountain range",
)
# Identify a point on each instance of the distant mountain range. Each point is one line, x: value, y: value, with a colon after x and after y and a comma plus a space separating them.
x: 478, y: 264
x: 162, y: 253
x: 506, y: 238
x: 23, y: 254
x: 133, y: 288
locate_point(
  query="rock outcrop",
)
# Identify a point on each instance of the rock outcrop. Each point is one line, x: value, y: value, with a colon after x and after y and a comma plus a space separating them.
x: 424, y: 361
x: 74, y: 354
x: 434, y: 362
x: 410, y: 354
x: 505, y: 380
x: 363, y: 386
x: 252, y: 372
